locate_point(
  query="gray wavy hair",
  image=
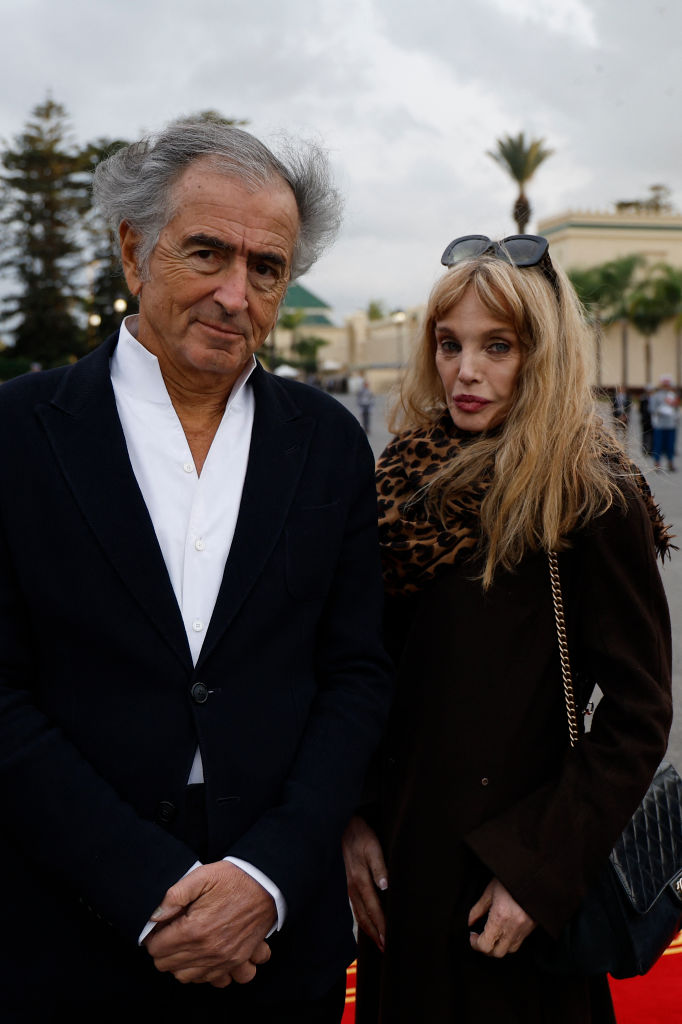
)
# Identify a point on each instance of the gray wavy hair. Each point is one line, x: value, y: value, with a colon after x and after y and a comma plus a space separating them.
x: 135, y: 184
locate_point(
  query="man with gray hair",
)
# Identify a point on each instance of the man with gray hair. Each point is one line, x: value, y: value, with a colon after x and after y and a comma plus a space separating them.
x: 191, y: 672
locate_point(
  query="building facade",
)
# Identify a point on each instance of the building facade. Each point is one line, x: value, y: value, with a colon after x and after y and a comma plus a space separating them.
x: 582, y: 239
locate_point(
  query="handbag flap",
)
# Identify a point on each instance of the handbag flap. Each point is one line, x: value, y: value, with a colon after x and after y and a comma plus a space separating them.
x: 648, y: 855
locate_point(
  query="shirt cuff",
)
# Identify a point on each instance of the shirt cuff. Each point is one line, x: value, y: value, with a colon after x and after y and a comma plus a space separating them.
x: 269, y: 886
x: 258, y: 876
x: 151, y: 925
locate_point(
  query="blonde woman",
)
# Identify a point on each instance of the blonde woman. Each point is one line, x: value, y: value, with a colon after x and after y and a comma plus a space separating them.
x: 487, y: 828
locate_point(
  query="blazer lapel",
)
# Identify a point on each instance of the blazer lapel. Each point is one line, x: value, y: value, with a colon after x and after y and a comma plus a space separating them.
x: 279, y: 448
x: 85, y: 432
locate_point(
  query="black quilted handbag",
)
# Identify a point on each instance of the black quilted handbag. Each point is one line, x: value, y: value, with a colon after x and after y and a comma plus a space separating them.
x: 634, y: 910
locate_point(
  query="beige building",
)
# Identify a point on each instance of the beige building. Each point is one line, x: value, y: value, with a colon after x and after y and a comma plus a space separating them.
x: 377, y: 348
x: 381, y: 348
x: 578, y: 239
x: 581, y: 239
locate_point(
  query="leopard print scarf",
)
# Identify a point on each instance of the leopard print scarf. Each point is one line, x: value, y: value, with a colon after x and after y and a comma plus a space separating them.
x: 415, y: 543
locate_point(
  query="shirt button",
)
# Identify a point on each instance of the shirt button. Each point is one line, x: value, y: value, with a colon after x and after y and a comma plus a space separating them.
x: 165, y: 812
x: 484, y: 782
x: 197, y: 625
x: 199, y: 544
x: 188, y: 467
x: 199, y: 693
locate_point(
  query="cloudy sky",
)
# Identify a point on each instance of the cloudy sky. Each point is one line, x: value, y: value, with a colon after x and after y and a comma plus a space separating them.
x: 406, y: 96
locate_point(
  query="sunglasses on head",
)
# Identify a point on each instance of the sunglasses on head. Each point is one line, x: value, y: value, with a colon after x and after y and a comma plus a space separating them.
x: 519, y: 250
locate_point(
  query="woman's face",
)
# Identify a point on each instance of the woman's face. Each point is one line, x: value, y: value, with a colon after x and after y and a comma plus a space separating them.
x: 478, y: 358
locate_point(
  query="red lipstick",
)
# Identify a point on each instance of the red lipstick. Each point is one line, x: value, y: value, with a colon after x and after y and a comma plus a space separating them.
x: 470, y: 403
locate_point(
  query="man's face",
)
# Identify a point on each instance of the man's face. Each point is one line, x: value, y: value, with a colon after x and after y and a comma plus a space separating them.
x: 216, y: 276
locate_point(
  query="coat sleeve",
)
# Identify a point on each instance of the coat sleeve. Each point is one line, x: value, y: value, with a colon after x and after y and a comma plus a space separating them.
x: 59, y: 815
x: 547, y: 848
x: 296, y: 841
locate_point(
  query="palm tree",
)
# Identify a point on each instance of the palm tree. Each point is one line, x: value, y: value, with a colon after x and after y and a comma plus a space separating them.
x: 657, y: 298
x: 588, y: 284
x: 607, y: 290
x: 520, y: 159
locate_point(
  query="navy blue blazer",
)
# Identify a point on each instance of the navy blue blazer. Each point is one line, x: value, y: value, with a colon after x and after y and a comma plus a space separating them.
x: 99, y: 717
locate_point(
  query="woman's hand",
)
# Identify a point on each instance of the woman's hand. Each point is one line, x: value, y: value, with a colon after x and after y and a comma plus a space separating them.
x: 507, y: 926
x: 366, y: 872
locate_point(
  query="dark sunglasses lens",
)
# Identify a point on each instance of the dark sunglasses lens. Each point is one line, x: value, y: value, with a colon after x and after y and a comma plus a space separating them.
x: 466, y: 248
x: 525, y: 251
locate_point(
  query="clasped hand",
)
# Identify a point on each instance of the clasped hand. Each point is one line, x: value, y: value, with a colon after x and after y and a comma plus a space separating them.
x: 212, y: 926
x: 507, y: 925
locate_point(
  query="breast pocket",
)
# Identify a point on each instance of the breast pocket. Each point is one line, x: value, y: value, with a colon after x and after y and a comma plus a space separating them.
x: 313, y: 540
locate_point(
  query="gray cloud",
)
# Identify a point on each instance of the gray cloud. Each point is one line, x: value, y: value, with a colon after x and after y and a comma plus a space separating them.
x: 408, y: 97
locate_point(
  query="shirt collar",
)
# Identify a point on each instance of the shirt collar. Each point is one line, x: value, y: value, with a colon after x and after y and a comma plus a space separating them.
x: 136, y: 370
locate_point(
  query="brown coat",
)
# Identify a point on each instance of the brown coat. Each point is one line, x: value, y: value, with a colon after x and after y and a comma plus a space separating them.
x: 479, y: 781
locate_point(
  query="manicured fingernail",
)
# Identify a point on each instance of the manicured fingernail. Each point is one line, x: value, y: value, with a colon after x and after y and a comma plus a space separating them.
x: 383, y: 884
x: 158, y: 914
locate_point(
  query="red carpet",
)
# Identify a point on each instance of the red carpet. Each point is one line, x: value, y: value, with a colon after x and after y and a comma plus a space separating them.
x: 654, y: 999
x: 657, y: 997
x: 349, y: 1012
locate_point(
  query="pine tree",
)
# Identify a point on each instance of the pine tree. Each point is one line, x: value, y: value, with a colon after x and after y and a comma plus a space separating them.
x: 107, y: 299
x: 44, y: 193
x: 69, y: 291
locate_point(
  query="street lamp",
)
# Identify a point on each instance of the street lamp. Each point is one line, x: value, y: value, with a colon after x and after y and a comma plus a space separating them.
x: 94, y: 321
x: 120, y: 306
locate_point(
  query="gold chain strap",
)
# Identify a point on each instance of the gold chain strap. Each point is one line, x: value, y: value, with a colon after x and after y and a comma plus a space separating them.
x: 569, y: 696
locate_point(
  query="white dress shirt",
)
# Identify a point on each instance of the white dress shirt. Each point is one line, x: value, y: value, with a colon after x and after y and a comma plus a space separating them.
x: 194, y: 516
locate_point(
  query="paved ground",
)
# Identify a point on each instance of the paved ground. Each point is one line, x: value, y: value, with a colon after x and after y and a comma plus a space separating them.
x: 667, y: 488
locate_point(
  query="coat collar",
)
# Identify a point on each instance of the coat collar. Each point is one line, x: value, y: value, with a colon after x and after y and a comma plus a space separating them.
x: 279, y: 448
x: 84, y: 430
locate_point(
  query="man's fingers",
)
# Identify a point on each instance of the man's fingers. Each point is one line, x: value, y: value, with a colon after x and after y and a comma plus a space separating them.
x: 244, y: 973
x: 167, y: 910
x: 202, y: 975
x: 180, y: 896
x: 261, y: 954
x: 218, y: 979
x: 225, y: 922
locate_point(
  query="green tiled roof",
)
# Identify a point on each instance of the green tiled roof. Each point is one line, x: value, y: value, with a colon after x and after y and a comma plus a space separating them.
x: 298, y: 297
x: 318, y: 318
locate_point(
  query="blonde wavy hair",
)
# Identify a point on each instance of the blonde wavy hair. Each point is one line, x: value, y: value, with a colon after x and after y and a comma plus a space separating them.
x: 550, y: 465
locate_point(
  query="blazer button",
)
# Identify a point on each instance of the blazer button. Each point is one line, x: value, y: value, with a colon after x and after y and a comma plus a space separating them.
x: 165, y: 813
x: 199, y: 693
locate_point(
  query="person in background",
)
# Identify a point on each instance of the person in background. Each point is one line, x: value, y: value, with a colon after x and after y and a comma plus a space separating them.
x: 645, y: 420
x: 664, y: 407
x: 483, y: 827
x: 365, y: 400
x: 192, y: 676
x: 621, y: 407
